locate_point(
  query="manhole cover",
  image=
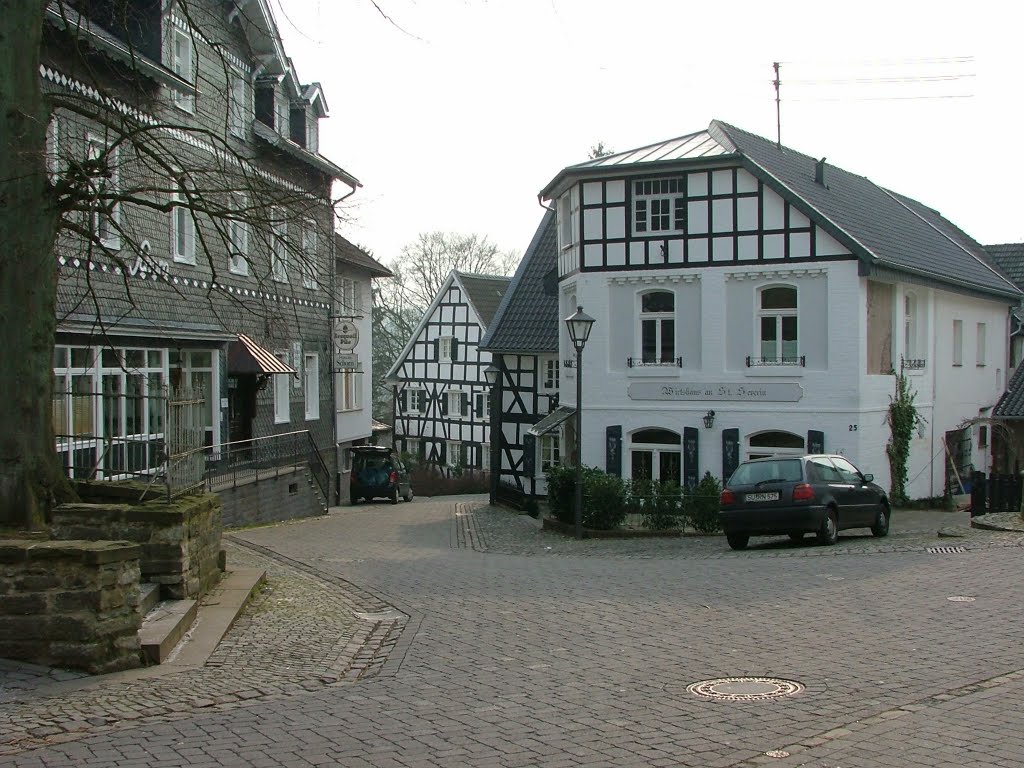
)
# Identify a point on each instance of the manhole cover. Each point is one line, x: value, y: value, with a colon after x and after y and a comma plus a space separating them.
x: 946, y: 550
x: 776, y: 753
x: 960, y: 599
x: 745, y: 688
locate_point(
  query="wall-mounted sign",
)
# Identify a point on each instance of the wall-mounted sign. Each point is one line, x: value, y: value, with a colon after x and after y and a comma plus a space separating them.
x: 346, y: 362
x: 745, y: 392
x: 346, y: 335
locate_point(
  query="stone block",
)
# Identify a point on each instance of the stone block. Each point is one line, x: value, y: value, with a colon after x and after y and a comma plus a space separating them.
x: 24, y: 628
x: 22, y: 605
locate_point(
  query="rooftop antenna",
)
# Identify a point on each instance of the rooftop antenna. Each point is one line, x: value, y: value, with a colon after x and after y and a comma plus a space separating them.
x: 778, y: 117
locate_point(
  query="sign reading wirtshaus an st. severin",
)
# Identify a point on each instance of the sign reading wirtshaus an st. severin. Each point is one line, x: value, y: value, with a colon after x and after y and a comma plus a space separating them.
x: 760, y: 392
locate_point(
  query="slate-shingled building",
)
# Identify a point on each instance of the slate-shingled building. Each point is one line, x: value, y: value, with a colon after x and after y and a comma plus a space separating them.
x: 441, y: 396
x: 239, y: 309
x: 751, y: 300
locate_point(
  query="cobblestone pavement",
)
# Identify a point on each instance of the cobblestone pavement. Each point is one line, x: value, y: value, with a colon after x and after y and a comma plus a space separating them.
x: 445, y: 633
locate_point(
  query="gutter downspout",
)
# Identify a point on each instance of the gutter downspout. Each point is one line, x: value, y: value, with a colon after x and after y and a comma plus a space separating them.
x: 540, y: 202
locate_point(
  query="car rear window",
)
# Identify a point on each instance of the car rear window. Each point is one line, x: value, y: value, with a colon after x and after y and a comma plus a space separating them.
x: 783, y: 470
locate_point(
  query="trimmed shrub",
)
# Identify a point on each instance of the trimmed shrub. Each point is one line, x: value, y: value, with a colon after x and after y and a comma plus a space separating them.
x: 604, y: 497
x: 704, y: 502
x: 660, y: 504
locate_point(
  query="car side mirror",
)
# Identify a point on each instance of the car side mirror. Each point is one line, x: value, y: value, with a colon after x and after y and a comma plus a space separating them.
x: 868, y: 478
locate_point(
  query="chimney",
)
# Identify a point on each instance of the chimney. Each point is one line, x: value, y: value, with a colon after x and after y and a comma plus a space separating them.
x: 819, y: 172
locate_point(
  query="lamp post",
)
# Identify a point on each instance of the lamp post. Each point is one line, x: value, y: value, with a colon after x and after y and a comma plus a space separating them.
x: 579, y: 325
x: 491, y: 373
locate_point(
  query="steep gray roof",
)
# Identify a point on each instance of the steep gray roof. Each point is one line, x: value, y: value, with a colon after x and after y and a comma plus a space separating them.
x: 527, y: 320
x: 1010, y: 258
x: 883, y: 228
x: 356, y: 256
x: 1011, y: 404
x: 485, y: 293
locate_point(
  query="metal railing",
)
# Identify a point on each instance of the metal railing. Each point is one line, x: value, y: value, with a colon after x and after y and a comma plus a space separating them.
x: 639, y: 362
x: 757, y: 362
x: 229, y: 465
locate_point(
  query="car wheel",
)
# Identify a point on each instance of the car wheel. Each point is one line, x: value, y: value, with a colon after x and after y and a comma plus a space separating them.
x: 881, y: 526
x: 829, y: 528
x: 408, y: 496
x: 737, y: 540
x: 796, y: 536
x: 394, y: 496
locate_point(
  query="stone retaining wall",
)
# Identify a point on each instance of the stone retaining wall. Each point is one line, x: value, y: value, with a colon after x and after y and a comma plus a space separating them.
x: 70, y: 603
x: 180, y: 540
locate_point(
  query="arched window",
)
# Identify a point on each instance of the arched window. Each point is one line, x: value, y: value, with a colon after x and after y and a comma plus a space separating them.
x: 777, y: 318
x: 655, y: 455
x: 774, y: 443
x: 657, y: 327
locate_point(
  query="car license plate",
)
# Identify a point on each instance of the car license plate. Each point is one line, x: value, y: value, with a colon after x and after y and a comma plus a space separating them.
x: 770, y: 496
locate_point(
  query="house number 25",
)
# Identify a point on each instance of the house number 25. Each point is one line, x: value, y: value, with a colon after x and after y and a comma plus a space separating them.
x: 853, y: 427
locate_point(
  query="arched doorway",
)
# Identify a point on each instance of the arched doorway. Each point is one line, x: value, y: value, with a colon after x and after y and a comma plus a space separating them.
x: 655, y: 454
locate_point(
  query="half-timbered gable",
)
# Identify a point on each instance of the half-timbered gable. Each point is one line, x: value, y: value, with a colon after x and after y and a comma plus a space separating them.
x: 442, y: 400
x: 752, y: 300
x: 524, y: 341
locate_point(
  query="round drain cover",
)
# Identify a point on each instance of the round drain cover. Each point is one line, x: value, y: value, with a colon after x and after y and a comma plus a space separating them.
x: 960, y: 599
x: 745, y: 688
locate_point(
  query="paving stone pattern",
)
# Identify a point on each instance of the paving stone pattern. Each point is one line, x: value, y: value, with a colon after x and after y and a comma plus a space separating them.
x: 493, y: 643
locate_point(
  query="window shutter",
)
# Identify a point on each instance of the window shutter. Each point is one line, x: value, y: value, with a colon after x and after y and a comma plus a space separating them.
x: 613, y: 450
x: 730, y: 452
x: 444, y: 403
x: 815, y: 441
x: 455, y: 348
x: 691, y: 470
x: 465, y: 404
x: 529, y: 455
x: 463, y: 454
x: 437, y: 349
x: 403, y: 400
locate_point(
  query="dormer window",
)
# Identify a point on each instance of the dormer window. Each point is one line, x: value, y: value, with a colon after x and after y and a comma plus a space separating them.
x: 297, y: 124
x: 266, y: 111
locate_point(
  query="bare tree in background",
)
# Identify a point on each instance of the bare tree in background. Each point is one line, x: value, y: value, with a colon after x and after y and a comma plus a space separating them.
x: 420, y: 270
x: 84, y: 188
x: 600, y: 150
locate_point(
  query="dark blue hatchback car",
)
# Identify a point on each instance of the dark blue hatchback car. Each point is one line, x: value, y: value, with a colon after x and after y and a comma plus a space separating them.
x: 795, y: 495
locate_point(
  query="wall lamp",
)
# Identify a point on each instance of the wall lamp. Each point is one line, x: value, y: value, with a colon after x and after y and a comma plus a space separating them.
x: 709, y: 419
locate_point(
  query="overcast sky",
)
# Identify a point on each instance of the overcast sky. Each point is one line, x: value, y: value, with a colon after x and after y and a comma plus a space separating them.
x: 455, y: 115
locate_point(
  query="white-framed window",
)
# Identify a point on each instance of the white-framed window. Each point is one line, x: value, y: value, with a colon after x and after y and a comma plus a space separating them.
x: 238, y: 235
x: 279, y: 246
x: 311, y: 381
x: 53, y: 164
x: 445, y: 347
x: 312, y: 131
x: 568, y: 217
x: 485, y: 456
x: 350, y: 296
x: 483, y: 405
x: 104, y: 182
x: 655, y: 454
x: 238, y: 105
x: 349, y: 394
x: 657, y: 328
x: 281, y: 404
x: 453, y: 453
x: 550, y: 450
x: 549, y: 374
x: 310, y: 268
x: 659, y: 206
x: 774, y: 443
x: 416, y: 400
x: 457, y: 401
x: 182, y: 55
x: 183, y: 229
x: 777, y: 324
x: 910, y: 326
x: 958, y: 342
x: 980, y: 355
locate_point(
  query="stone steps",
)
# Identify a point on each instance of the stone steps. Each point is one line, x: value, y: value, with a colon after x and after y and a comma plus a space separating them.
x: 149, y: 596
x: 201, y: 624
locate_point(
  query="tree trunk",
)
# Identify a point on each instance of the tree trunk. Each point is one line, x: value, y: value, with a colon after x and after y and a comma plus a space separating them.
x: 29, y: 472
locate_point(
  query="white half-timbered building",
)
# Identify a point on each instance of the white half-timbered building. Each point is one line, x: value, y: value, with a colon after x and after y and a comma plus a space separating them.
x: 441, y: 396
x: 523, y: 339
x: 751, y: 300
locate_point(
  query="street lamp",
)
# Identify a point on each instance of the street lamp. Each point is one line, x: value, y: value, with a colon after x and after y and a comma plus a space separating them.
x: 491, y: 373
x: 579, y: 325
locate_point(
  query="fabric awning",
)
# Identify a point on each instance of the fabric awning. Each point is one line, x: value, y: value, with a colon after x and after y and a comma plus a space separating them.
x: 246, y: 356
x: 551, y: 421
